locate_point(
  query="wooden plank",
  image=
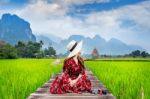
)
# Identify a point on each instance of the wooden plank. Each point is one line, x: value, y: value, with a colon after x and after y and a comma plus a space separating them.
x: 70, y: 96
x: 43, y: 91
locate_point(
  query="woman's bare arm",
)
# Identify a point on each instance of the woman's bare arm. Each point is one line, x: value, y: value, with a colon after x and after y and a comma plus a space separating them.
x: 72, y: 82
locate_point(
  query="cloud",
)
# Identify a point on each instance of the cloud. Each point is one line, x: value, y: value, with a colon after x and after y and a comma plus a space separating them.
x: 51, y: 18
x: 108, y: 24
x: 79, y: 2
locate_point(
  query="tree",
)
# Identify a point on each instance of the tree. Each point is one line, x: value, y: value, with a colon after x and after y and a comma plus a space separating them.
x: 7, y: 52
x: 41, y: 42
x: 50, y: 52
x: 28, y: 50
x: 21, y: 48
x: 144, y: 54
x: 95, y: 53
x: 136, y: 53
x: 39, y: 54
x: 2, y: 43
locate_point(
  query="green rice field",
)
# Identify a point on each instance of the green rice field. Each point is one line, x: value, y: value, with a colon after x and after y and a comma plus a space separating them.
x: 20, y: 77
x: 125, y: 79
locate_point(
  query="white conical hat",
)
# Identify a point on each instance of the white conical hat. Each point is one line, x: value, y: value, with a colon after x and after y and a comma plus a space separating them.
x: 74, y: 47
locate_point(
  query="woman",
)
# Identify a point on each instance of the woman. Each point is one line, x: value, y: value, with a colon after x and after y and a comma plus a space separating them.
x: 73, y: 78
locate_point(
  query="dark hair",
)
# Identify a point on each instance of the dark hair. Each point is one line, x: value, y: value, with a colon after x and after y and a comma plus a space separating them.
x: 81, y: 61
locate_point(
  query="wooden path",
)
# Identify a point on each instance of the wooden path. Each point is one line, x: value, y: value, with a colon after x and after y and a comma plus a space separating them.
x: 43, y: 92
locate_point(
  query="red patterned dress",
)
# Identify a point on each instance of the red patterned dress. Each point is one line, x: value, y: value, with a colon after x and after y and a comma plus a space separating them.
x: 71, y: 70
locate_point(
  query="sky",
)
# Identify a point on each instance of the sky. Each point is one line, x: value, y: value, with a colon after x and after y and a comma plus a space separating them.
x: 126, y: 20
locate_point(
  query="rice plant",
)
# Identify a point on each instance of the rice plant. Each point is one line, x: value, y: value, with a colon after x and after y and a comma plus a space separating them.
x: 126, y: 80
x: 20, y: 77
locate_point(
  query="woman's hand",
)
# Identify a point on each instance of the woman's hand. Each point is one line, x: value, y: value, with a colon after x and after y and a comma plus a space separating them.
x: 73, y: 82
x: 79, y: 76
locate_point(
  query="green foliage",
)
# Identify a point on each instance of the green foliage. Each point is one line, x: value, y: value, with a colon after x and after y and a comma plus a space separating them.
x: 138, y: 53
x: 50, y: 51
x: 21, y: 77
x: 28, y: 50
x: 40, y: 54
x: 125, y: 79
x: 7, y: 51
x: 144, y: 54
x: 25, y: 50
x: 34, y: 50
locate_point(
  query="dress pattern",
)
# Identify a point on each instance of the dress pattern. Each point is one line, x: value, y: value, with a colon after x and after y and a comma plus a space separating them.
x: 71, y: 70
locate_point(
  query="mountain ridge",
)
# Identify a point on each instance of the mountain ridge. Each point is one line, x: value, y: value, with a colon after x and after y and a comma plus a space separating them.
x: 112, y: 47
x: 14, y: 29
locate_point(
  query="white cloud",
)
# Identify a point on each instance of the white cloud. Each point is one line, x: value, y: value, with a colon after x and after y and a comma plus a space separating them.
x: 50, y: 18
x: 108, y: 24
x: 79, y: 2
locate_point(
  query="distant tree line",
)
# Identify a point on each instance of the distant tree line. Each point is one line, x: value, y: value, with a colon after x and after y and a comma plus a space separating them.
x: 34, y: 50
x: 138, y: 53
x: 134, y: 54
x: 25, y: 50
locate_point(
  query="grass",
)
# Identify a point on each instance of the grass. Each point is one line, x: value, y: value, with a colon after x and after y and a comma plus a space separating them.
x: 126, y: 80
x: 20, y: 77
